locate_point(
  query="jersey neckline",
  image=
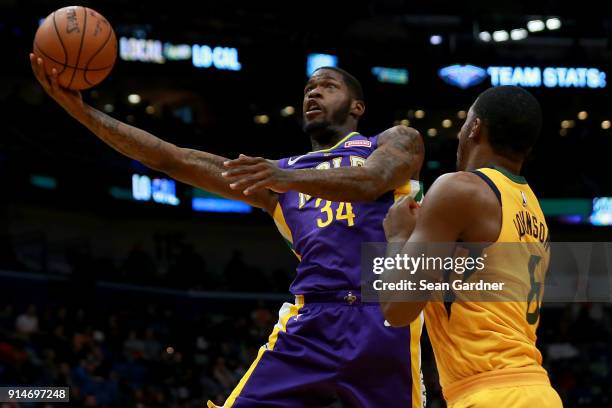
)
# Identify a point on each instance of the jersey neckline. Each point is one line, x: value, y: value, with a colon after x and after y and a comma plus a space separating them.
x: 514, y: 177
x: 344, y: 139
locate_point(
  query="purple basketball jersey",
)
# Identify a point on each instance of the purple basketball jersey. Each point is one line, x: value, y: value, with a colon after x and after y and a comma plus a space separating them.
x: 327, y: 236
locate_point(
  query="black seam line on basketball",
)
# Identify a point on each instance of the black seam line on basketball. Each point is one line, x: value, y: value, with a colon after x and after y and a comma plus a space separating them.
x: 80, y: 46
x: 69, y: 66
x: 110, y: 32
x: 62, y: 44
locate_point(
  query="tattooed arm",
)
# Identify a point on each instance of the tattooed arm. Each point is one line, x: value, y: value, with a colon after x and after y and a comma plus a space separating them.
x: 397, y: 159
x: 193, y: 167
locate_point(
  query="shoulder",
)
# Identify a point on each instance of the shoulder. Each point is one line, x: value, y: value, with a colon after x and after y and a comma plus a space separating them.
x: 456, y: 191
x: 400, y: 133
x: 402, y: 137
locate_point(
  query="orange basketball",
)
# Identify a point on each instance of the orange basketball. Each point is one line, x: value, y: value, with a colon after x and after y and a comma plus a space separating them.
x: 79, y: 43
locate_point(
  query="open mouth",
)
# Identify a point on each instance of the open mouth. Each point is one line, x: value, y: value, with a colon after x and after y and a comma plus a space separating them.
x: 313, y: 108
x: 311, y: 114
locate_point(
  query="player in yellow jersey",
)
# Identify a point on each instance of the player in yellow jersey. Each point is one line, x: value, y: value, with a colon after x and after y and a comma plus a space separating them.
x: 485, y: 351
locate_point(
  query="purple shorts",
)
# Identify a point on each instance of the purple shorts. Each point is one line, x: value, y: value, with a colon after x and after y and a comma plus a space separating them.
x: 326, y: 348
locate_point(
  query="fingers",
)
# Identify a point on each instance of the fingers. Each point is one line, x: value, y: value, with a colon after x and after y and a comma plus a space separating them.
x: 39, y: 70
x: 403, y: 201
x: 49, y: 82
x: 243, y: 160
x: 53, y: 80
x: 247, y: 182
x: 405, y: 204
x: 260, y: 185
x: 243, y: 170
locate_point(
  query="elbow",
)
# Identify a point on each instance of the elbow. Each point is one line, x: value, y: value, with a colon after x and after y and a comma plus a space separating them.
x: 398, y: 314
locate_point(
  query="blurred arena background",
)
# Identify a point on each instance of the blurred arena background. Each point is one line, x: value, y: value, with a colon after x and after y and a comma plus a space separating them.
x: 137, y: 291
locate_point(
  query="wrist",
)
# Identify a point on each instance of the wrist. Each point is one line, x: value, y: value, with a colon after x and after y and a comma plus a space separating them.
x: 81, y: 112
x: 291, y: 178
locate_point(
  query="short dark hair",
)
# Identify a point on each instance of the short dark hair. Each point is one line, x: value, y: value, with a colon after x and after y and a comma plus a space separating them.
x: 513, y: 118
x: 351, y: 82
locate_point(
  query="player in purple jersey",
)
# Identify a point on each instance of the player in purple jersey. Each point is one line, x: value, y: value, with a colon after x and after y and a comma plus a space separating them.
x: 328, y: 345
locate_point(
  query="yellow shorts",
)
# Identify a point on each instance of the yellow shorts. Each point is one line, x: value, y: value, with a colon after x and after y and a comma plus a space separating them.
x: 522, y: 396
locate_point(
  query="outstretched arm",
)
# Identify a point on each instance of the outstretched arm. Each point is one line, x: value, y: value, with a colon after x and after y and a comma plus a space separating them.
x: 398, y: 158
x: 190, y: 166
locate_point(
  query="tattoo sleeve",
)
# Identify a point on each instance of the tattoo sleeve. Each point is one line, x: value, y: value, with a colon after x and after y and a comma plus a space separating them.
x: 197, y: 168
x: 397, y: 159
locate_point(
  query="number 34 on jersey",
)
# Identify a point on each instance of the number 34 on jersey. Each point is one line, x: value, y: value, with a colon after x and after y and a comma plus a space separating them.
x: 331, y: 211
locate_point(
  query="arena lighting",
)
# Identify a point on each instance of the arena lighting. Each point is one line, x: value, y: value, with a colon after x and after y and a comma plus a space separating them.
x: 568, y: 124
x: 462, y: 76
x: 287, y: 111
x: 447, y: 123
x: 178, y: 52
x: 461, y: 114
x: 566, y: 206
x: 433, y: 164
x: 606, y: 124
x: 518, y: 34
x: 549, y: 77
x: 135, y: 49
x: 602, y: 211
x: 261, y: 119
x: 535, y: 25
x: 159, y: 190
x: 108, y: 108
x: 134, y: 99
x: 219, y: 205
x: 583, y: 115
x: 553, y: 23
x: 433, y: 132
x: 44, y: 182
x: 202, y: 56
x: 120, y: 193
x: 420, y: 114
x: 500, y: 36
x: 571, y: 219
x: 222, y: 58
x: 405, y: 122
x: 315, y: 61
x: 391, y: 75
x: 435, y: 39
x: 485, y: 36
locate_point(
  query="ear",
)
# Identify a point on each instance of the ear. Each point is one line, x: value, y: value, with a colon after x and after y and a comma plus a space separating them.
x: 357, y: 108
x: 476, y: 131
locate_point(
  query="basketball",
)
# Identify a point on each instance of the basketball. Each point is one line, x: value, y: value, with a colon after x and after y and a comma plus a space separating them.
x: 79, y: 43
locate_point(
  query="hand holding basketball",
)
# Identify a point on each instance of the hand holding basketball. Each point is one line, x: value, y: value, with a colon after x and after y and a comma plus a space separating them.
x: 68, y: 99
x: 79, y: 43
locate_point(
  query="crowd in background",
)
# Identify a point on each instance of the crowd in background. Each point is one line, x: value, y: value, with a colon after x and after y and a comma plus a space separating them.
x: 152, y: 356
x: 130, y: 357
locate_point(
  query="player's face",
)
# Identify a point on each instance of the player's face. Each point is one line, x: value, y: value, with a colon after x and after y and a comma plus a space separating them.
x: 463, y: 149
x: 327, y: 101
